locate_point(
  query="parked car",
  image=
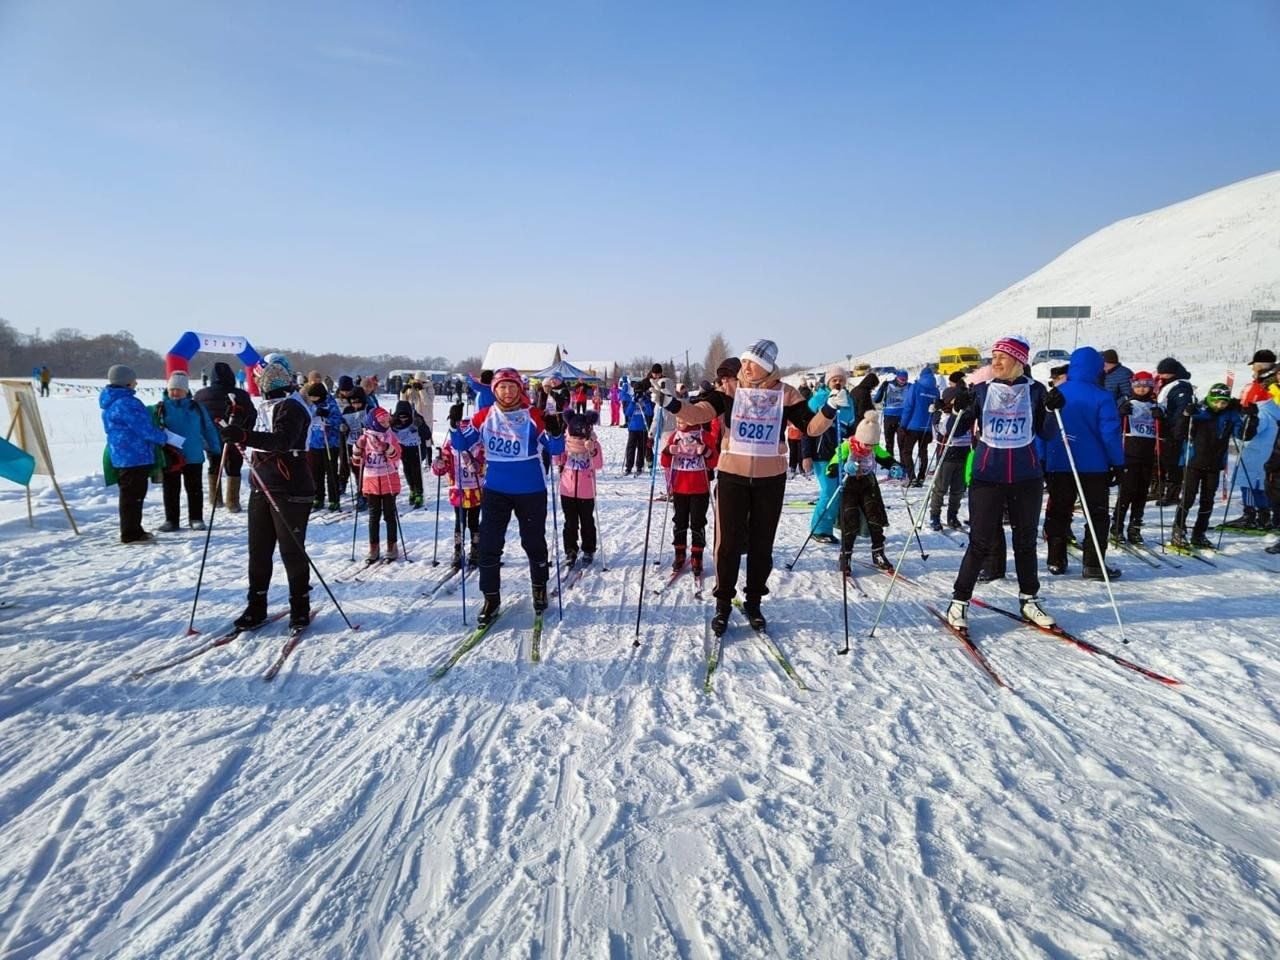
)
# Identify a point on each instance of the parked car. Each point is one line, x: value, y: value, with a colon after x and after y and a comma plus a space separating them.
x: 1051, y: 356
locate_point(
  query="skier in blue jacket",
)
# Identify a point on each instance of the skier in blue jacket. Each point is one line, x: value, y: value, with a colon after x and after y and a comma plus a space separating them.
x: 179, y: 413
x: 890, y: 395
x: 1092, y: 424
x: 132, y: 438
x: 917, y: 424
x: 825, y: 445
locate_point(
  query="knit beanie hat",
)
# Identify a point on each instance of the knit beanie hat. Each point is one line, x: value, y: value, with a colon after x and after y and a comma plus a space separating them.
x: 1143, y: 379
x: 835, y: 370
x: 1218, y: 391
x: 762, y: 352
x: 376, y: 418
x: 902, y: 374
x: 357, y: 395
x: 1168, y: 367
x: 868, y: 430
x: 345, y: 383
x: 957, y: 376
x: 1015, y: 346
x: 276, y: 375
x: 120, y: 376
x: 729, y: 367
x: 316, y: 391
x: 403, y: 412
x: 507, y: 375
x: 179, y: 381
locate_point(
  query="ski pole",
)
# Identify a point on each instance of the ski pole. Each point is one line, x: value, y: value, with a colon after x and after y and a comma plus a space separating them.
x: 435, y: 543
x: 1226, y: 506
x: 915, y: 529
x: 355, y: 522
x: 555, y: 537
x: 253, y: 472
x: 844, y: 586
x: 648, y: 526
x: 666, y: 505
x: 460, y: 527
x: 399, y: 528
x: 213, y: 508
x: 907, y: 542
x: 1098, y: 545
x: 813, y: 528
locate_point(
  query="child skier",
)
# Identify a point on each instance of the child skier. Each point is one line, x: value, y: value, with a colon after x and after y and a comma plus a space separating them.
x: 353, y: 420
x: 323, y: 444
x: 377, y: 456
x: 415, y: 447
x: 950, y: 478
x: 581, y: 459
x: 1211, y: 426
x: 1143, y: 419
x: 688, y: 454
x: 860, y: 501
x: 464, y: 487
x: 513, y: 437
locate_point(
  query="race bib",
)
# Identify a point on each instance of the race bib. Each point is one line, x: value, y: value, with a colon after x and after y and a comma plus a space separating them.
x: 506, y: 435
x: 1006, y: 415
x: 470, y: 476
x: 577, y: 461
x: 755, y: 428
x: 1141, y: 423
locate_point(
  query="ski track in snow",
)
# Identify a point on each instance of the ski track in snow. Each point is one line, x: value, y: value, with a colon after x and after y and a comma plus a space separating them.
x: 599, y: 803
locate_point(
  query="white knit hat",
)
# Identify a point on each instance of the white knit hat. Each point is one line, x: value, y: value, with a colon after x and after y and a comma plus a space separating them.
x: 180, y: 381
x: 762, y: 352
x: 835, y: 370
x: 868, y: 431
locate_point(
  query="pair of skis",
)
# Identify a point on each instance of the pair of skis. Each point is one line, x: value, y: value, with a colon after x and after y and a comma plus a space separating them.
x: 715, y: 648
x: 699, y: 580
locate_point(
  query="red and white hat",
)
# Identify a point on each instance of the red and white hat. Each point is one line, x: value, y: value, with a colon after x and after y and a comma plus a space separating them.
x: 1015, y: 346
x: 1143, y: 378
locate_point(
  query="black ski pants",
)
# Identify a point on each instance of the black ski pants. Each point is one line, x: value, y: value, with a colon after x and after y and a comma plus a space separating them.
x: 411, y: 461
x: 747, y: 512
x: 950, y: 483
x: 324, y: 471
x: 579, y: 511
x: 861, y: 507
x: 1133, y: 492
x: 987, y: 505
x: 911, y: 443
x: 234, y: 462
x: 1201, y: 483
x: 689, y: 512
x: 190, y: 476
x: 267, y: 530
x: 382, y: 508
x: 636, y: 441
x: 496, y: 509
x: 1062, y: 503
x: 890, y: 433
x: 133, y: 483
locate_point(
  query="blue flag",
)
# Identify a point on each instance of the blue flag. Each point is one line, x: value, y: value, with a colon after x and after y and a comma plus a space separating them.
x: 15, y: 463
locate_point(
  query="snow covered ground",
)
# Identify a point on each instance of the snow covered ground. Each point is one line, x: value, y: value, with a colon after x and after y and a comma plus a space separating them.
x: 599, y: 803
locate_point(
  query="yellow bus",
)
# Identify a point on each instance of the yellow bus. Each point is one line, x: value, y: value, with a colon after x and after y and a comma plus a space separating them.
x: 964, y: 359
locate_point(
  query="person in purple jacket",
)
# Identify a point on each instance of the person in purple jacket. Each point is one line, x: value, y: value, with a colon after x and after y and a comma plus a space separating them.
x: 1092, y: 424
x: 1006, y: 415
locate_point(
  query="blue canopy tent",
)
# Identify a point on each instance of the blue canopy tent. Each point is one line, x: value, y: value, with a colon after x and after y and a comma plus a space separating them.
x: 565, y: 371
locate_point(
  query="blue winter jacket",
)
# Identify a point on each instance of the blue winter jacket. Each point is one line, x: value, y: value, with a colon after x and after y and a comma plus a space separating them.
x: 1118, y: 382
x: 1090, y: 417
x: 890, y: 395
x: 326, y: 426
x: 192, y: 421
x: 511, y: 476
x: 638, y: 413
x: 998, y: 465
x: 484, y: 393
x: 131, y: 434
x: 917, y: 400
x: 841, y: 428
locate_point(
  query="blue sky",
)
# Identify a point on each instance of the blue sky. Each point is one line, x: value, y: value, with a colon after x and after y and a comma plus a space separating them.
x: 625, y: 178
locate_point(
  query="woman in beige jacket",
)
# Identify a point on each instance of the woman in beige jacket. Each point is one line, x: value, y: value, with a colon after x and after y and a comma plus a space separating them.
x: 752, y: 472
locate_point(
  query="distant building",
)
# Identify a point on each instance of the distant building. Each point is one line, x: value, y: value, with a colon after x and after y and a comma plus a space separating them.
x: 528, y: 358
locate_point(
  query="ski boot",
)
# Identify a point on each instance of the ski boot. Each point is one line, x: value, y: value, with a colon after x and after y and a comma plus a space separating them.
x: 880, y: 560
x: 255, y: 614
x: 958, y: 615
x: 1116, y: 534
x: 1179, y: 538
x: 299, y: 611
x: 953, y: 523
x: 317, y: 504
x: 473, y: 555
x: 393, y: 553
x: 570, y: 558
x: 754, y: 617
x: 846, y: 566
x: 695, y: 561
x: 1200, y: 541
x: 1057, y: 560
x: 539, y: 597
x: 489, y: 609
x: 196, y: 525
x: 456, y: 562
x: 334, y: 506
x: 1032, y: 611
x: 677, y: 562
x: 588, y: 558
x: 1274, y: 548
x: 375, y: 553
x: 1134, y: 535
x: 168, y: 527
x: 720, y: 622
x: 1246, y: 521
x: 935, y: 524
x: 1095, y: 573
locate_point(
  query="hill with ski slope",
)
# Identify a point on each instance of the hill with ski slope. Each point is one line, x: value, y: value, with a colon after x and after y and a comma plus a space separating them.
x: 600, y: 804
x: 1177, y: 281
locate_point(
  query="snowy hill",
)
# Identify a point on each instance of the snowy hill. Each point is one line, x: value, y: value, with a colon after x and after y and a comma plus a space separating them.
x: 1178, y: 281
x: 600, y: 804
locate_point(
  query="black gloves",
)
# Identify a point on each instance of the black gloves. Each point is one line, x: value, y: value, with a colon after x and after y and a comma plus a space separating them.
x: 233, y: 433
x: 1055, y: 400
x: 1114, y: 476
x: 1124, y: 407
x: 961, y: 401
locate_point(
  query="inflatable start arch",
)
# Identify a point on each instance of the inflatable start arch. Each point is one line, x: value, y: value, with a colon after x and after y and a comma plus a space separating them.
x: 189, y: 344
